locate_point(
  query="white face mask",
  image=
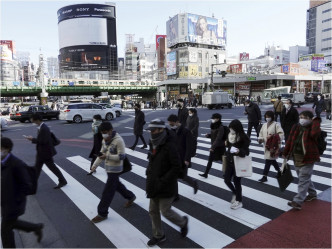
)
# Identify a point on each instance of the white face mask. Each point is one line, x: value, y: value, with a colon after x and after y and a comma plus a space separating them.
x: 287, y: 106
x: 268, y: 120
x: 318, y: 97
x: 190, y: 114
x: 213, y: 121
x: 232, y: 131
x: 305, y: 122
x: 94, y: 120
x: 105, y: 136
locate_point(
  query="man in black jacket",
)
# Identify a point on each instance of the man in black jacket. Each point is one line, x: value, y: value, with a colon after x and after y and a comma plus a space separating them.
x: 45, y: 149
x: 161, y: 181
x: 254, y: 116
x: 289, y: 117
x: 184, y: 145
x: 182, y: 112
x: 217, y: 136
x: 138, y: 126
x: 320, y: 105
x: 15, y: 185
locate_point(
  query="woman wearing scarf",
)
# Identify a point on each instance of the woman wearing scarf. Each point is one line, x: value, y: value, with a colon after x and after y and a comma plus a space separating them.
x: 97, y: 138
x: 237, y: 144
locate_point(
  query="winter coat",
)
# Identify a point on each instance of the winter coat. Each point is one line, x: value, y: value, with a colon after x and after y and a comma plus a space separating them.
x: 242, y: 145
x: 253, y: 112
x: 97, y: 143
x: 183, y: 115
x: 278, y: 105
x: 184, y: 143
x: 139, y: 123
x: 15, y: 185
x: 217, y: 142
x: 320, y: 105
x: 274, y: 128
x: 44, y: 143
x: 163, y: 169
x: 193, y: 124
x: 289, y: 119
x: 309, y: 141
x: 328, y: 105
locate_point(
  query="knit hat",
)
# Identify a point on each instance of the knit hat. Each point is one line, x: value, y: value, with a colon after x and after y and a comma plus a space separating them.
x: 156, y: 124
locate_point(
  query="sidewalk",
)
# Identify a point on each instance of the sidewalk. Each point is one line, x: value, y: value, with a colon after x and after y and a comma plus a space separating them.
x: 307, y: 228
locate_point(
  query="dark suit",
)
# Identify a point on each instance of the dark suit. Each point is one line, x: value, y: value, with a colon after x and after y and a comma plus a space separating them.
x: 46, y: 151
x: 138, y: 127
x: 15, y: 185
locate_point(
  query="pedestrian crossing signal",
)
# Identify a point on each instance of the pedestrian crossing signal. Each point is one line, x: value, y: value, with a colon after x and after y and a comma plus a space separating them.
x: 328, y: 65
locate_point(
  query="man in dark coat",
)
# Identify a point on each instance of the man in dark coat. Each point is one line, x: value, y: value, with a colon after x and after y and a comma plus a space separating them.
x: 217, y: 142
x: 184, y: 145
x: 138, y: 126
x: 320, y: 106
x: 192, y: 126
x: 45, y: 150
x: 15, y: 185
x: 182, y: 112
x: 289, y: 117
x: 161, y: 181
x: 328, y: 107
x: 254, y: 116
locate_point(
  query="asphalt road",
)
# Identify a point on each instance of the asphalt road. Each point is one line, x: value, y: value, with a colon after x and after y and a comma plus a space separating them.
x: 212, y: 224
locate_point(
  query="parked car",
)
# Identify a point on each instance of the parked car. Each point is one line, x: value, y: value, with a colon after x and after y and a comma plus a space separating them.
x: 311, y: 96
x: 26, y: 112
x: 4, y: 123
x: 84, y: 112
x: 117, y: 110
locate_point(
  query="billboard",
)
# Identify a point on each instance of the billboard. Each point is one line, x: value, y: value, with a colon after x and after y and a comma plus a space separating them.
x: 243, y: 88
x: 310, y: 57
x: 10, y: 44
x: 318, y: 65
x: 244, y: 56
x: 158, y: 37
x: 5, y: 53
x: 172, y: 31
x: 193, y: 70
x: 238, y: 68
x: 171, y: 63
x: 206, y: 30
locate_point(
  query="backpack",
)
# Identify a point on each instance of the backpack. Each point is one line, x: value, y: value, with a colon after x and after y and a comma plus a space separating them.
x: 321, y: 142
x: 226, y: 132
x: 32, y: 172
x: 55, y: 140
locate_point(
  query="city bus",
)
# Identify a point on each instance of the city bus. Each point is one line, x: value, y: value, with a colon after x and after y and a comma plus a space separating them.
x: 270, y: 95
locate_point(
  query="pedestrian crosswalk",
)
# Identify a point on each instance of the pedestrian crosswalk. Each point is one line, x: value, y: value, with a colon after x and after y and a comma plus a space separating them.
x: 212, y: 224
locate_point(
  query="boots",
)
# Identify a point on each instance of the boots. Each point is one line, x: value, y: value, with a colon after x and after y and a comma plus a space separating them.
x: 263, y: 179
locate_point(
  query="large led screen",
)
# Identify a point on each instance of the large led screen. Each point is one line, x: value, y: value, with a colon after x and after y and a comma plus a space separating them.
x: 83, y: 31
x: 171, y: 63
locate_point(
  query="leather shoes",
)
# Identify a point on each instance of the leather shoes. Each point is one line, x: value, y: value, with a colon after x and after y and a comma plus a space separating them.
x: 60, y: 185
x: 132, y: 148
x: 98, y: 218
x: 39, y: 232
x: 144, y: 146
x: 204, y: 175
x: 195, y: 187
x: 130, y: 202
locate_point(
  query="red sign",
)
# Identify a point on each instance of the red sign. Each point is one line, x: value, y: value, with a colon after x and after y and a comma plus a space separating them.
x: 244, y: 56
x: 10, y: 44
x: 236, y: 68
x: 158, y: 37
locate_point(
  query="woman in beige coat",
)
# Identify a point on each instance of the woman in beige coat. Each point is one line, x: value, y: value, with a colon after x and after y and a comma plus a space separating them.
x: 270, y: 154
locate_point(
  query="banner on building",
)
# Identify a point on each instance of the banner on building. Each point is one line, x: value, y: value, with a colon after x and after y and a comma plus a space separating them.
x: 243, y: 88
x: 193, y: 70
x: 171, y: 63
x: 158, y: 37
x: 244, y: 56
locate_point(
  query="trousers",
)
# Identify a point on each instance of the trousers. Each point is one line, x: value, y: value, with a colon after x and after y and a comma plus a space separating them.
x: 136, y: 140
x: 50, y: 164
x: 250, y: 125
x: 305, y: 185
x: 268, y: 164
x: 236, y: 188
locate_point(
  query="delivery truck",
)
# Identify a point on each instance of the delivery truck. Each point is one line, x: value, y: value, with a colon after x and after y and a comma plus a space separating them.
x: 297, y: 98
x: 218, y: 99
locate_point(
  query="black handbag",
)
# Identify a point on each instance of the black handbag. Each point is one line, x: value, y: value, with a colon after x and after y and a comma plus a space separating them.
x: 285, y: 176
x: 126, y: 165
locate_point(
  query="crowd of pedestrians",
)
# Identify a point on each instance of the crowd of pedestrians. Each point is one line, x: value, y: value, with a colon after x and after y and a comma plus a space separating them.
x: 169, y: 159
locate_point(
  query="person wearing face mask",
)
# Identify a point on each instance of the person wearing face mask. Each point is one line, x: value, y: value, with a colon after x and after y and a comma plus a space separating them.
x: 15, y: 185
x: 237, y: 144
x: 270, y: 155
x: 45, y: 149
x: 254, y: 116
x: 138, y: 127
x: 289, y: 117
x: 182, y: 112
x: 302, y: 147
x: 112, y: 155
x: 161, y: 181
x: 218, y: 136
x: 97, y: 138
x: 278, y: 106
x: 320, y: 105
x: 192, y: 125
x: 184, y: 144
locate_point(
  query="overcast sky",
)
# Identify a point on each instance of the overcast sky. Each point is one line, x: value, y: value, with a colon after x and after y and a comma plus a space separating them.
x: 250, y: 24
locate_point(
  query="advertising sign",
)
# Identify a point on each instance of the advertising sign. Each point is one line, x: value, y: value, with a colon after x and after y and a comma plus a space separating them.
x: 243, y: 88
x: 183, y: 73
x: 31, y: 83
x: 5, y: 53
x: 244, y: 56
x: 206, y: 30
x: 318, y: 65
x: 158, y: 37
x: 310, y: 57
x: 193, y: 70
x: 171, y: 63
x: 16, y: 83
x: 172, y: 31
x: 285, y: 69
x: 238, y: 68
x: 10, y: 44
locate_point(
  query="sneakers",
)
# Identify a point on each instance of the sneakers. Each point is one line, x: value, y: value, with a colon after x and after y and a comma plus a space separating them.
x: 204, y: 175
x: 184, y: 229
x: 39, y: 232
x: 294, y: 205
x: 130, y: 202
x: 98, y: 218
x: 195, y: 187
x: 154, y: 241
x: 144, y: 146
x: 310, y: 197
x: 233, y: 199
x: 263, y: 179
x: 236, y: 205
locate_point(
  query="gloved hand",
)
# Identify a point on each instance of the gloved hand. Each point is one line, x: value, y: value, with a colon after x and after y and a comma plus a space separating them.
x: 234, y: 150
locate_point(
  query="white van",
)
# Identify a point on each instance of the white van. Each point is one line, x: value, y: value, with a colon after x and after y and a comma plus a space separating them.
x: 84, y: 112
x: 297, y: 98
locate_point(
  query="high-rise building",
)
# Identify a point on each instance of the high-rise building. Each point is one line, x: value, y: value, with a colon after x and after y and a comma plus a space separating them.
x: 319, y: 28
x: 53, y: 67
x: 295, y: 52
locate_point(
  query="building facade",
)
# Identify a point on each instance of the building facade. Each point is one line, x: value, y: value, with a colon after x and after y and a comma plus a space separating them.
x: 295, y: 52
x: 53, y: 67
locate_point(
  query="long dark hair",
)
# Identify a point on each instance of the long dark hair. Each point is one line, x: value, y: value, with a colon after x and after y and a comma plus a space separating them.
x: 237, y: 126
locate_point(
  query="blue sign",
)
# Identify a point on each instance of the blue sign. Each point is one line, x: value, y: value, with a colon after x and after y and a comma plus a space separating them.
x: 54, y: 83
x: 32, y: 83
x: 285, y: 69
x: 71, y: 83
x: 16, y: 83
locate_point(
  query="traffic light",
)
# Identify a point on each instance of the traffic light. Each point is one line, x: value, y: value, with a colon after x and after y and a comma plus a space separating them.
x: 328, y: 65
x: 223, y: 74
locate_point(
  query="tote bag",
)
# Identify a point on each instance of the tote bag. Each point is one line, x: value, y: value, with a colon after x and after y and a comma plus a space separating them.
x: 285, y: 176
x: 243, y: 166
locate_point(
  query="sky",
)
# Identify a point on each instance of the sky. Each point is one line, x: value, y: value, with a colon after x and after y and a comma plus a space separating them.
x: 251, y: 25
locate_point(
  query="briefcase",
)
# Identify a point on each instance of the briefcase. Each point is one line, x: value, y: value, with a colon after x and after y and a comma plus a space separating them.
x: 126, y: 165
x: 285, y: 176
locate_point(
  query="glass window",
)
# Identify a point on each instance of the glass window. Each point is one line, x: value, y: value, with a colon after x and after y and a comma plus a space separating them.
x: 97, y: 107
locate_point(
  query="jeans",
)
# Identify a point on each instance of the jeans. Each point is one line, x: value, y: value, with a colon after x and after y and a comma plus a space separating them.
x: 163, y: 205
x: 50, y: 164
x: 113, y: 184
x: 268, y: 164
x: 250, y: 125
x: 305, y: 184
x: 7, y: 233
x: 236, y: 188
x: 136, y: 140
